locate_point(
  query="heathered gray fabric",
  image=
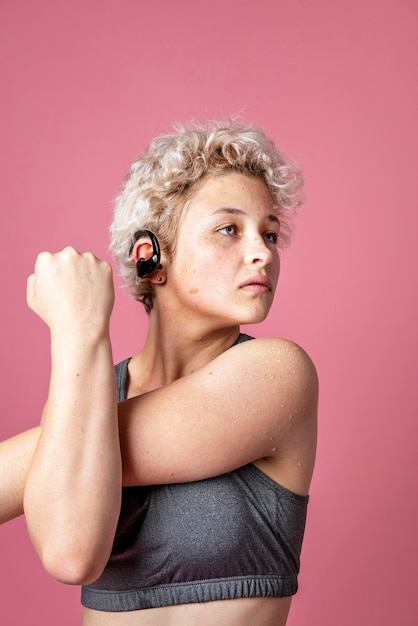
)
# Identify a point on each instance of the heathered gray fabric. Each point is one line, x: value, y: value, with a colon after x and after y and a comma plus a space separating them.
x: 238, y: 535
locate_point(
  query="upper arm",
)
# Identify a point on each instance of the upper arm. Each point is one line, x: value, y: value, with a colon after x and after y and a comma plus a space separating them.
x: 239, y: 408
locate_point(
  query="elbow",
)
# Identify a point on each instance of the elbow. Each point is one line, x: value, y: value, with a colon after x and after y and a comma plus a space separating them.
x: 74, y: 555
x: 72, y: 567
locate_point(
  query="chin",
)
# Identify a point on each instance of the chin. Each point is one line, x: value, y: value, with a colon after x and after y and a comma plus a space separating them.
x: 255, y: 318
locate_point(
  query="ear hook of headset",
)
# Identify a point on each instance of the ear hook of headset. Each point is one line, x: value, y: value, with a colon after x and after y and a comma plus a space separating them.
x: 146, y: 267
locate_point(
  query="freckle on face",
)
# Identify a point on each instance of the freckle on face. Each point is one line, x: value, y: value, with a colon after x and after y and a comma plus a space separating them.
x: 193, y: 292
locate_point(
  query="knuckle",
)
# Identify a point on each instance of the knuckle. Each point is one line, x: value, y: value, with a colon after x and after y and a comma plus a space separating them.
x: 69, y: 251
x: 42, y: 258
x: 44, y: 255
x: 89, y: 256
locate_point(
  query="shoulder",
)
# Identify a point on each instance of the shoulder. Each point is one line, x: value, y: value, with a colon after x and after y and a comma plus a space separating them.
x: 274, y: 357
x: 275, y: 378
x: 263, y: 376
x: 275, y: 345
x: 286, y: 388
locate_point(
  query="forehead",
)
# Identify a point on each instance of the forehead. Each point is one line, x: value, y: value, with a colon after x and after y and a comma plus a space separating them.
x: 231, y: 191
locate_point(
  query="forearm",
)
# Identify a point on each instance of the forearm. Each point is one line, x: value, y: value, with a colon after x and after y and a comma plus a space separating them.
x: 73, y: 488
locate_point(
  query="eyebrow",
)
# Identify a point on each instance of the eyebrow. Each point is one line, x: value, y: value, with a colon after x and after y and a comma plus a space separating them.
x: 271, y: 217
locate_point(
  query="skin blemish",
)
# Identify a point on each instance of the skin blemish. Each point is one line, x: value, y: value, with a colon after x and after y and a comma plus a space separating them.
x: 193, y: 292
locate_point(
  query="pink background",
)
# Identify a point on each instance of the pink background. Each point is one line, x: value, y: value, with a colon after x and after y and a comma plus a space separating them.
x: 86, y: 84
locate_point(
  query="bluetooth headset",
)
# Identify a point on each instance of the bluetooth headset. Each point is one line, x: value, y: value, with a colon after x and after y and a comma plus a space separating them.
x: 146, y: 267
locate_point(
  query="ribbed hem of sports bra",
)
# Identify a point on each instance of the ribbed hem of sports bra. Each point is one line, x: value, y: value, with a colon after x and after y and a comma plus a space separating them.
x: 189, y: 593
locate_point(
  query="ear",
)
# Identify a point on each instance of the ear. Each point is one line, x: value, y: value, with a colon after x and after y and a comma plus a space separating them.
x: 142, y: 249
x: 147, y: 261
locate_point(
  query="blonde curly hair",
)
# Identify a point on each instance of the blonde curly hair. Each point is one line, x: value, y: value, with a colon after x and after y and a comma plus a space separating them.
x: 162, y: 180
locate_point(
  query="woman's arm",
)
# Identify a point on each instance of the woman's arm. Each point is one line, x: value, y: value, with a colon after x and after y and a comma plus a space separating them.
x: 73, y: 487
x: 257, y: 400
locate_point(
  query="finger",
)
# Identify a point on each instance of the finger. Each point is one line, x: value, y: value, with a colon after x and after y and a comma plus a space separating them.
x: 42, y: 262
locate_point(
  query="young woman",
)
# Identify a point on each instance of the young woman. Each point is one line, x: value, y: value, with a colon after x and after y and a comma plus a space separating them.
x: 211, y: 433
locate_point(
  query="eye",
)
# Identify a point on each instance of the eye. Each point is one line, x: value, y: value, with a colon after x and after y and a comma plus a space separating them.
x: 271, y: 237
x: 228, y: 230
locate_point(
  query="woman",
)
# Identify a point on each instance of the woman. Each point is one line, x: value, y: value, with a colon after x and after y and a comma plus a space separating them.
x: 212, y: 433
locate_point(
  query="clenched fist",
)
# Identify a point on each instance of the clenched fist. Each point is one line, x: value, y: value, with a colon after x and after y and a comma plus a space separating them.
x: 72, y: 291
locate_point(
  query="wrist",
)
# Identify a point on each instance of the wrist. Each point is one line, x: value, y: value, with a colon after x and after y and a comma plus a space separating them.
x: 87, y: 333
x: 79, y: 345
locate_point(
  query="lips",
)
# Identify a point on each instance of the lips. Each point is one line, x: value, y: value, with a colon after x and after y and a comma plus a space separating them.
x: 259, y: 283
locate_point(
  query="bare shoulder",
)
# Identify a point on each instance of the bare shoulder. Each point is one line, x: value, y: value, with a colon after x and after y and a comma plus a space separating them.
x: 283, y: 379
x: 276, y: 348
x: 274, y: 361
x: 272, y: 379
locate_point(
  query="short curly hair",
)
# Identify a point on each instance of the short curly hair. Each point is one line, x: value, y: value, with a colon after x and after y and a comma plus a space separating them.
x: 162, y: 181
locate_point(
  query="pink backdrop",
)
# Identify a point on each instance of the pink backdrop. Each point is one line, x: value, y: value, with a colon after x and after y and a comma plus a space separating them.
x: 86, y: 84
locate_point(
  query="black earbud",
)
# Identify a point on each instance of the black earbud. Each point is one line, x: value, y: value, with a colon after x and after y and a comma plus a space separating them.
x: 146, y: 267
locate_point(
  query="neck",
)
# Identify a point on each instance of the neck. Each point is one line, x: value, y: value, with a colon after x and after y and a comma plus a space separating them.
x: 173, y: 349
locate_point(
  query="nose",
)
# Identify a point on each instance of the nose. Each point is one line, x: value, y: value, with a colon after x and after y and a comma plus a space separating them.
x: 259, y: 251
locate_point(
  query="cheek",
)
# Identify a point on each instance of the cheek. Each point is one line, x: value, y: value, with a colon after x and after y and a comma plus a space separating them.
x: 194, y: 261
x: 193, y: 270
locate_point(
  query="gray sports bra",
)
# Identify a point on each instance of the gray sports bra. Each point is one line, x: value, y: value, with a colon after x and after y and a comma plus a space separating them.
x: 237, y: 535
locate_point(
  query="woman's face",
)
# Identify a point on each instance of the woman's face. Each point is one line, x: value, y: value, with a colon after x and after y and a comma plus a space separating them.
x: 226, y: 264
